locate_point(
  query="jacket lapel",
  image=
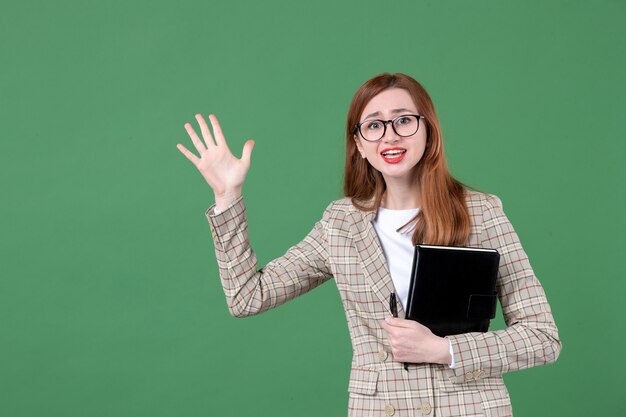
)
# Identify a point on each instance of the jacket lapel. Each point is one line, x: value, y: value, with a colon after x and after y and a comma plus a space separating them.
x: 372, y: 257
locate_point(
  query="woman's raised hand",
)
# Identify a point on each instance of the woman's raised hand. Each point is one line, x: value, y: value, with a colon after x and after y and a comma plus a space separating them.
x: 224, y: 173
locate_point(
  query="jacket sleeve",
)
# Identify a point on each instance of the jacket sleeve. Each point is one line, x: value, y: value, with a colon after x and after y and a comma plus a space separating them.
x: 251, y: 291
x: 531, y: 337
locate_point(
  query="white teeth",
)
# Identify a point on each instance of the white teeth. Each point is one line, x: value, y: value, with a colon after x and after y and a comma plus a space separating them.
x: 394, y: 152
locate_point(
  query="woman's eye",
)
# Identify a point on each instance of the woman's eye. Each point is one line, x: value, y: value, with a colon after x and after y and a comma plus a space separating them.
x: 373, y: 125
x: 404, y: 120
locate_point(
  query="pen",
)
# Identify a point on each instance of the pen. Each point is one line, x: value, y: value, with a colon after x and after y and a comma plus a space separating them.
x: 393, y: 307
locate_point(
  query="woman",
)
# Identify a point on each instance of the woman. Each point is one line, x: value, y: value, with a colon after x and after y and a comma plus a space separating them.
x: 398, y: 192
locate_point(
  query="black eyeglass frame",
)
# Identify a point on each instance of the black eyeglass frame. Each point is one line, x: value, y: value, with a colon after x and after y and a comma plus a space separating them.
x: 357, y: 127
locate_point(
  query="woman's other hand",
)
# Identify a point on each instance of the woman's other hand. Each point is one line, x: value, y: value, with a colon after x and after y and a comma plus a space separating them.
x: 412, y: 342
x: 224, y: 173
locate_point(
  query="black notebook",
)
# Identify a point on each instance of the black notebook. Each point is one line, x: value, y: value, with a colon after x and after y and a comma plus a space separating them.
x: 453, y: 289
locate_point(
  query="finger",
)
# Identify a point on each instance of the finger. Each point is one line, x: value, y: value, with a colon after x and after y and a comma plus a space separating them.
x: 398, y: 322
x: 247, y: 151
x: 194, y: 159
x: 206, y: 133
x: 195, y: 139
x: 217, y: 131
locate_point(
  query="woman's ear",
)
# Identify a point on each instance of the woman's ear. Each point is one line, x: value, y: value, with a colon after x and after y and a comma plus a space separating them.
x: 358, y: 146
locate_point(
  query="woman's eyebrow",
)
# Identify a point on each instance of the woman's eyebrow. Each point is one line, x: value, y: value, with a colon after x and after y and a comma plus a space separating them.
x: 394, y: 111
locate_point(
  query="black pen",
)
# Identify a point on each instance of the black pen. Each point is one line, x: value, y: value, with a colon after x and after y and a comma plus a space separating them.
x: 393, y: 307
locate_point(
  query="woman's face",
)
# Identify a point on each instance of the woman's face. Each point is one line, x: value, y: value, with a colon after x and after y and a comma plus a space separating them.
x: 393, y: 156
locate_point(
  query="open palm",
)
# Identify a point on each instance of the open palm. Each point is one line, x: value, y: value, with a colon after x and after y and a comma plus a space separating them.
x: 224, y: 173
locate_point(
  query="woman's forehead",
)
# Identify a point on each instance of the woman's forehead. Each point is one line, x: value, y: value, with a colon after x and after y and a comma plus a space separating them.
x: 388, y: 102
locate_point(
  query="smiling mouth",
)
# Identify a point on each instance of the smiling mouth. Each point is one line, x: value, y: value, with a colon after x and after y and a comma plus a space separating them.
x: 393, y: 156
x: 393, y: 153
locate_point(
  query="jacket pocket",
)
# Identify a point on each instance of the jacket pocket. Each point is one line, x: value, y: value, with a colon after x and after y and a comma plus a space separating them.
x: 363, y: 381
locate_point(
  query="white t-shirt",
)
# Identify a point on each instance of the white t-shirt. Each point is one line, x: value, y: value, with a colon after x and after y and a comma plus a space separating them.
x: 397, y: 246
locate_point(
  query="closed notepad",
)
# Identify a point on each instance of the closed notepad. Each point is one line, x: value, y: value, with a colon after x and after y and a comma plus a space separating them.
x: 453, y: 289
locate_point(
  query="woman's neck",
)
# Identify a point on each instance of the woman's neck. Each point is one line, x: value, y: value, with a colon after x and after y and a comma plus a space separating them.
x: 401, y: 195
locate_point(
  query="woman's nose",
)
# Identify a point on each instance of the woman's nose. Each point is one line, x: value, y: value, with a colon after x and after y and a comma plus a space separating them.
x: 390, y: 134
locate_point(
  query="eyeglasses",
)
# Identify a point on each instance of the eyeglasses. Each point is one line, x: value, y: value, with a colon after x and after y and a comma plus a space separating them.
x: 404, y: 125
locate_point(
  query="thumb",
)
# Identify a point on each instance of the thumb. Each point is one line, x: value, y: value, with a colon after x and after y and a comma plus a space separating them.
x: 247, y: 151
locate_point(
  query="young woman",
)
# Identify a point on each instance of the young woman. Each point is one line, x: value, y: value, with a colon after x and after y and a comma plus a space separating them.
x: 398, y: 193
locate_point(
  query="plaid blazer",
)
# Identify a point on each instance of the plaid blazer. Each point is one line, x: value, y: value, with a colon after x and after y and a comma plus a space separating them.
x: 344, y: 245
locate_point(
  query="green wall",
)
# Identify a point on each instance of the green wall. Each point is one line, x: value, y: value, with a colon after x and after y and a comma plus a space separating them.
x: 110, y: 303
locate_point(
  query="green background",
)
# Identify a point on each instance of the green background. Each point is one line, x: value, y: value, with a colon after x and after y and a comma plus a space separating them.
x: 110, y: 302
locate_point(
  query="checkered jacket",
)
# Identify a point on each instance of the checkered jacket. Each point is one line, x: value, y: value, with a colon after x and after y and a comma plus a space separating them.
x: 343, y: 245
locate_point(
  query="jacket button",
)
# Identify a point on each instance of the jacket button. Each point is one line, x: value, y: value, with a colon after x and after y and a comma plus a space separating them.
x: 382, y: 355
x: 389, y: 410
x: 426, y: 408
x: 479, y: 374
x: 469, y: 376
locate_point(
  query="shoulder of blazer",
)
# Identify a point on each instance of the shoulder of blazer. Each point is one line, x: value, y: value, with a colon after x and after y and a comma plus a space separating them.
x: 482, y: 208
x: 342, y: 214
x: 478, y: 202
x: 343, y: 206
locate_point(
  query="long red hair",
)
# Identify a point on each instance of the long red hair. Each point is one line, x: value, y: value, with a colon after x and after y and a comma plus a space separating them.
x: 443, y: 218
